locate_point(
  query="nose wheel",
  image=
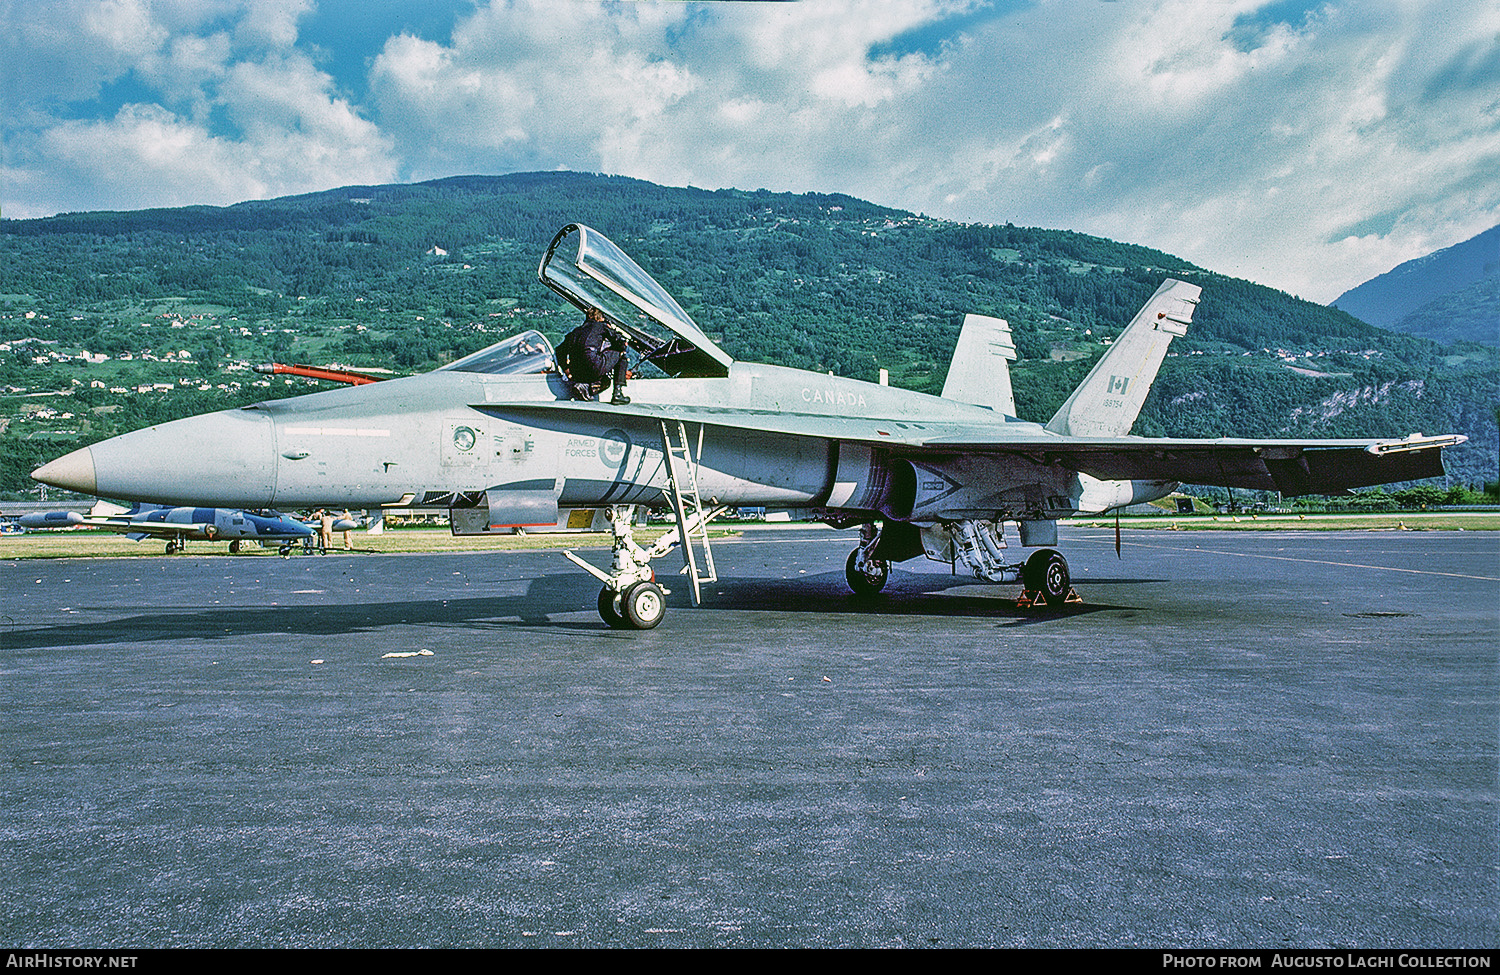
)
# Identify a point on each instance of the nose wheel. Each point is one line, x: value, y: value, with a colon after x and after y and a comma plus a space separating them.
x: 643, y: 605
x: 639, y: 607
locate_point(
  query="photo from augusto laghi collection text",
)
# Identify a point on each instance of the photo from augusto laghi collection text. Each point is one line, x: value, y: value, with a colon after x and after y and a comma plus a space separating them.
x: 1320, y: 959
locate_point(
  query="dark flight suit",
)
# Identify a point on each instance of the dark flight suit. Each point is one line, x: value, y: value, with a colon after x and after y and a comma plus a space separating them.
x: 590, y: 354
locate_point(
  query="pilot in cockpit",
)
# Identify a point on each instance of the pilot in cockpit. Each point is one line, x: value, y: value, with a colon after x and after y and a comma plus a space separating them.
x: 592, y: 354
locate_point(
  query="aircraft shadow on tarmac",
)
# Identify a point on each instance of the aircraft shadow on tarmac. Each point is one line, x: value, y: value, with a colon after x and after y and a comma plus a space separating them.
x: 907, y: 594
x: 547, y: 597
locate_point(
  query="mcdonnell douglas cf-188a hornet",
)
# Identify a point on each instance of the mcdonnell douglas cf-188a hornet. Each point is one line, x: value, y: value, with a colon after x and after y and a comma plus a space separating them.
x: 495, y: 438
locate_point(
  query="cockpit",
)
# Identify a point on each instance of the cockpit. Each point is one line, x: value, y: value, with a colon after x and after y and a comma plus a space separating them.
x: 527, y: 352
x: 587, y: 269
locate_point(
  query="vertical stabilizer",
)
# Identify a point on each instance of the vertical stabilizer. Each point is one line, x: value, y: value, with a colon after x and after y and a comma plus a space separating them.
x: 1107, y: 402
x: 979, y: 374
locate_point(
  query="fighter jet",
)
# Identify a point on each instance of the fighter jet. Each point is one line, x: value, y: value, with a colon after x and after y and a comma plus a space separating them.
x: 178, y: 524
x: 495, y: 438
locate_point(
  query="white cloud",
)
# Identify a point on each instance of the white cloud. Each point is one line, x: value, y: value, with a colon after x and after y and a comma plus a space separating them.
x: 239, y: 113
x: 144, y: 156
x: 1254, y: 162
x: 66, y: 50
x: 713, y: 95
x: 270, y: 24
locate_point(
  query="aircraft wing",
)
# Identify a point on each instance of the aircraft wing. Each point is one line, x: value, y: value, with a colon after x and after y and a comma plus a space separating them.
x: 1291, y: 466
x: 137, y: 530
x: 907, y: 433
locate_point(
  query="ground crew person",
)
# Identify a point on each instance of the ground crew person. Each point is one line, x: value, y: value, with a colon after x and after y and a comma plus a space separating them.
x: 591, y: 354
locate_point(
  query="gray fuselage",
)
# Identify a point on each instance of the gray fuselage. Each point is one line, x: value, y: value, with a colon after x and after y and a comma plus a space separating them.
x: 453, y: 432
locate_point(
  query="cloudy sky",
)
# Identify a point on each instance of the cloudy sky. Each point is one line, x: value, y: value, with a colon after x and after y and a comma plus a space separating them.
x: 1305, y: 145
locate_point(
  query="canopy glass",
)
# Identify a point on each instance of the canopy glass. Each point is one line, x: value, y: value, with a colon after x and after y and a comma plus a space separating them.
x: 524, y: 353
x: 587, y: 268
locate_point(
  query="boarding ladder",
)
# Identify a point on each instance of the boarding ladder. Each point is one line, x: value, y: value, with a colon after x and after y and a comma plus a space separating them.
x: 692, y: 519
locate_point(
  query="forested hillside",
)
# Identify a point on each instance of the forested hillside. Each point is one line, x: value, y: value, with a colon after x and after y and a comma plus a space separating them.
x: 109, y: 321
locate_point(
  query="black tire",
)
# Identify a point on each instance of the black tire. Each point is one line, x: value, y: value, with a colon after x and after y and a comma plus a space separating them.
x: 1046, y: 572
x: 234, y: 547
x: 871, y: 580
x: 643, y: 605
x: 607, y: 609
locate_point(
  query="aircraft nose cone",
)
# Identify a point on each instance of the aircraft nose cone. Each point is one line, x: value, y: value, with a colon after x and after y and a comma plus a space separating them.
x: 72, y: 472
x: 223, y: 459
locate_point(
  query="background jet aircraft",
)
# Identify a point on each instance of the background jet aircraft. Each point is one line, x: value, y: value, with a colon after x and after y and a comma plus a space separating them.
x: 178, y: 524
x: 494, y: 438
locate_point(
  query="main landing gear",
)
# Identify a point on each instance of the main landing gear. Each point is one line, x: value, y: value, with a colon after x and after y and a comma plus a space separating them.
x: 866, y: 574
x: 1045, y: 576
x: 286, y: 548
x: 975, y: 545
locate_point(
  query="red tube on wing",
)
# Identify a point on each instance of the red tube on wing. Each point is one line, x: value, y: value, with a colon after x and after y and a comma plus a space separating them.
x: 318, y: 372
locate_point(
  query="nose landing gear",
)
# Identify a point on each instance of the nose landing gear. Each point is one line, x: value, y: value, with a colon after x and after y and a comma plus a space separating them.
x: 631, y: 598
x: 640, y: 606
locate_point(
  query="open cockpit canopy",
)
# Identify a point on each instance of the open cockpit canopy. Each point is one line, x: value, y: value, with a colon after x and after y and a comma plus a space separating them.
x: 585, y: 267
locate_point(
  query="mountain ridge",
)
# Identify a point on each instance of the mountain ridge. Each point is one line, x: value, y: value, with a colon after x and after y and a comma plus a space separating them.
x: 1450, y: 295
